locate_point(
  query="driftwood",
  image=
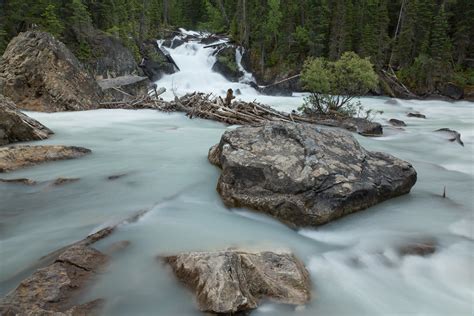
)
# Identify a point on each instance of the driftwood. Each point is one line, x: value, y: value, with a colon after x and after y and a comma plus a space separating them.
x: 208, y: 106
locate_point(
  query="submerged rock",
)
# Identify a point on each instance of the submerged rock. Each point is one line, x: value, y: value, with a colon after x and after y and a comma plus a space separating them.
x: 24, y: 181
x: 233, y: 281
x: 417, y: 115
x: 305, y: 176
x: 39, y: 73
x: 18, y: 127
x: 63, y: 181
x: 15, y: 157
x: 226, y: 64
x: 451, y: 135
x: 398, y: 123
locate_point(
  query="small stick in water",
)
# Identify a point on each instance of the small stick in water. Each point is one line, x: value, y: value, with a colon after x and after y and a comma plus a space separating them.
x: 444, y: 192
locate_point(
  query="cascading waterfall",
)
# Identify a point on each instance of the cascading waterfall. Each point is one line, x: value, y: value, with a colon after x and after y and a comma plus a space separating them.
x: 353, y: 261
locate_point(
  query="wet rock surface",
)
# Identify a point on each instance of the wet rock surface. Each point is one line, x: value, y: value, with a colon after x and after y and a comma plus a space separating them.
x: 398, y: 123
x: 305, y: 176
x: 49, y: 291
x: 15, y: 126
x: 39, y: 73
x: 417, y: 115
x: 15, y: 157
x: 156, y: 61
x: 233, y: 281
x: 226, y: 64
x: 451, y: 135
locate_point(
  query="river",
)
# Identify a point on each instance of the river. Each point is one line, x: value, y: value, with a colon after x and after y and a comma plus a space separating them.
x: 353, y: 261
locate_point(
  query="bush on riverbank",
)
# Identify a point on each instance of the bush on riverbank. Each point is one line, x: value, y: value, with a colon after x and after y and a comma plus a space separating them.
x: 335, y: 84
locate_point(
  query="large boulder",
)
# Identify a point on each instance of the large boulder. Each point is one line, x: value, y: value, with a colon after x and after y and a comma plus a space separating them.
x: 16, y: 157
x: 103, y: 55
x: 40, y: 73
x: 233, y: 281
x: 303, y: 175
x: 18, y: 127
x: 226, y: 64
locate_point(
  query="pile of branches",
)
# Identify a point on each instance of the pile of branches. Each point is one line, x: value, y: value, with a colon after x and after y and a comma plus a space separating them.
x: 238, y: 112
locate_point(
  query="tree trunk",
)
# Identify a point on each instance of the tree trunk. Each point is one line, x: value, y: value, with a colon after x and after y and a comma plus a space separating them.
x: 220, y: 4
x: 166, y: 12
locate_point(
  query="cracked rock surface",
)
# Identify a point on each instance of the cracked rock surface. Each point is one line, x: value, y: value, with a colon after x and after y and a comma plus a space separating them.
x: 232, y: 281
x: 304, y: 175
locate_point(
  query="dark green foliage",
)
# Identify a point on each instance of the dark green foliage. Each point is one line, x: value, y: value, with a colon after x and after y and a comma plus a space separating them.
x: 280, y: 34
x: 334, y: 84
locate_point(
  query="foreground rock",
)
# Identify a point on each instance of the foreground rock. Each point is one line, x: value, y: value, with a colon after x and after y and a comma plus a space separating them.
x: 52, y: 290
x: 233, y: 281
x: 15, y: 157
x: 18, y: 127
x: 303, y: 175
x: 39, y: 73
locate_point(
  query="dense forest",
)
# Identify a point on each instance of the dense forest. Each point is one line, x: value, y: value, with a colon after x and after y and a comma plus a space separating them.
x: 424, y: 41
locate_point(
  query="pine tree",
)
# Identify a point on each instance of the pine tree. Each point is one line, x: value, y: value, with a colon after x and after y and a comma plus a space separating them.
x: 50, y: 21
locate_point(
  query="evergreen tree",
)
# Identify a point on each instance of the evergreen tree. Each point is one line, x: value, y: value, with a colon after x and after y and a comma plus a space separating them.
x: 50, y: 21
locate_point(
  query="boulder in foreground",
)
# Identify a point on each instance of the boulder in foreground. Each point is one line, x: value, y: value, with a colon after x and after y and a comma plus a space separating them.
x: 18, y: 127
x: 303, y: 175
x: 233, y: 281
x: 15, y: 157
x: 39, y: 73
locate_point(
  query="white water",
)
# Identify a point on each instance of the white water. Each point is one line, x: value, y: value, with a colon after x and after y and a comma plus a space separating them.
x: 165, y: 156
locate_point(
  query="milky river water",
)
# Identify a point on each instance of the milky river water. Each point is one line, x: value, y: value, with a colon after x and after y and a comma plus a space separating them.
x: 353, y: 262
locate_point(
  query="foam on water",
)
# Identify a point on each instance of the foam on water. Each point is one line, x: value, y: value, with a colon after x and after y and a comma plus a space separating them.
x: 353, y: 262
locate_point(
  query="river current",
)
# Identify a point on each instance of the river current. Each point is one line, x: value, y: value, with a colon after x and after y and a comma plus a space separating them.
x: 353, y: 262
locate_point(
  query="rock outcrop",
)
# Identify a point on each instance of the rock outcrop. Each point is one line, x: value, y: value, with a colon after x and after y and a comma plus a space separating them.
x: 18, y: 127
x: 39, y: 73
x: 233, y: 281
x: 156, y: 61
x: 15, y: 157
x: 226, y: 64
x: 106, y: 56
x: 303, y: 175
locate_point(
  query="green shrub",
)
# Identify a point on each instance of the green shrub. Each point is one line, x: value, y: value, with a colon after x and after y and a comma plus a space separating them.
x: 334, y: 84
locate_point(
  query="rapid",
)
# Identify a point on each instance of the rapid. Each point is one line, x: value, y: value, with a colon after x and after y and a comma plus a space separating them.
x: 353, y: 262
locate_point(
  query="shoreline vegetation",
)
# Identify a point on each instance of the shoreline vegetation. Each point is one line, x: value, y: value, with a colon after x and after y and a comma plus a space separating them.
x: 419, y: 49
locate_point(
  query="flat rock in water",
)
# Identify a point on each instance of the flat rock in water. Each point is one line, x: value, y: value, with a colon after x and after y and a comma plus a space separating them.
x: 39, y: 73
x: 18, y: 127
x: 233, y: 281
x: 15, y: 157
x: 303, y: 175
x: 362, y: 126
